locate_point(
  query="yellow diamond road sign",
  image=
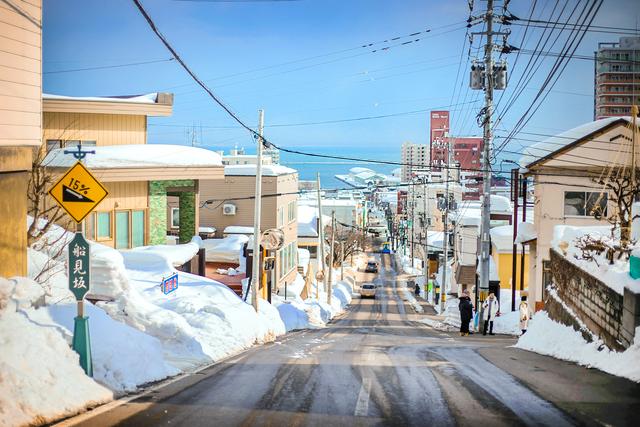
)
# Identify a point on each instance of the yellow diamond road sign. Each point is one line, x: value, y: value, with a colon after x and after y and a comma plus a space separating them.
x: 78, y: 192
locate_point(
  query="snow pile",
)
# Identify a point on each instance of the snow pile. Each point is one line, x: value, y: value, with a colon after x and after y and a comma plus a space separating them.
x: 200, y: 322
x: 615, y: 276
x: 41, y: 377
x: 548, y: 337
x: 304, y: 257
x: 177, y: 255
x: 123, y: 358
x: 500, y: 204
x: 225, y: 250
x: 409, y: 298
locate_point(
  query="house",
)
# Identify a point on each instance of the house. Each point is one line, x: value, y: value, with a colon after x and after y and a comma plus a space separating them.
x: 20, y: 130
x: 308, y: 228
x: 138, y: 176
x: 502, y: 254
x: 563, y: 170
x: 230, y: 203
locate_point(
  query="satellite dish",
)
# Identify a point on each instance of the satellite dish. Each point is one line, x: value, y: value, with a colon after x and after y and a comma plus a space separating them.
x: 272, y: 239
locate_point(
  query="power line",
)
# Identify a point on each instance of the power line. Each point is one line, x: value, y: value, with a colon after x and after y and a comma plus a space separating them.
x: 105, y: 67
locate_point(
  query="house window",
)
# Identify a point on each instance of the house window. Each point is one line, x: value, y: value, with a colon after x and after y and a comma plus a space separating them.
x: 123, y: 226
x: 103, y: 225
x: 72, y: 143
x: 175, y: 217
x: 291, y: 211
x: 585, y: 203
x: 90, y: 226
x: 137, y: 228
x: 280, y: 216
x: 53, y: 144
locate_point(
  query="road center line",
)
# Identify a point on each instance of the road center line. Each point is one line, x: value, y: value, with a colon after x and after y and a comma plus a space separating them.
x: 362, y: 405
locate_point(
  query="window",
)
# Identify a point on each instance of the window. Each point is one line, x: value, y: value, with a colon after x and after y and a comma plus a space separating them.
x: 53, y: 143
x: 175, y: 217
x: 280, y: 216
x: 288, y: 259
x: 103, y: 225
x: 291, y: 211
x: 123, y: 226
x: 584, y: 203
x: 72, y: 143
x: 90, y: 226
x: 137, y: 228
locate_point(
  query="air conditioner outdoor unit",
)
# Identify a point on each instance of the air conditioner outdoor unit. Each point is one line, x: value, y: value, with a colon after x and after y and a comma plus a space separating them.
x: 229, y: 209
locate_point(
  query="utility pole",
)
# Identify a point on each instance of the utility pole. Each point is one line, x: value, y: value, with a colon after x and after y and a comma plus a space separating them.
x: 413, y: 205
x: 488, y: 77
x: 255, y: 276
x: 341, y: 261
x: 331, y: 253
x: 427, y: 218
x: 321, y: 257
x: 443, y: 285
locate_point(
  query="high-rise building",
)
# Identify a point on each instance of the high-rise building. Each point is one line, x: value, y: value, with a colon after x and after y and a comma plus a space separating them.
x: 438, y: 138
x: 617, y: 78
x: 467, y: 152
x: 415, y: 157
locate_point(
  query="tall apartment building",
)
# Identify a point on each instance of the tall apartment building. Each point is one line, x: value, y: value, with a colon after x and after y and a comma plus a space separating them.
x: 439, y: 136
x: 414, y: 158
x: 467, y: 152
x: 617, y: 77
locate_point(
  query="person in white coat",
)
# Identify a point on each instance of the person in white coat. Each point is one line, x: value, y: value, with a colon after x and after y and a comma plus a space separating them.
x: 491, y: 307
x: 525, y: 314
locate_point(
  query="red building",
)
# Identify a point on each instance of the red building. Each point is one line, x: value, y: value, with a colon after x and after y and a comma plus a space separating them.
x: 439, y: 128
x: 467, y: 151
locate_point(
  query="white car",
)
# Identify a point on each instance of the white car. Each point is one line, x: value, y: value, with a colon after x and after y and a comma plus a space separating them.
x: 368, y: 290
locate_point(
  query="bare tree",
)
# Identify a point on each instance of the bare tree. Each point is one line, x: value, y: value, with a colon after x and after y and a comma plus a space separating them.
x: 621, y: 192
x: 351, y: 237
x: 45, y: 213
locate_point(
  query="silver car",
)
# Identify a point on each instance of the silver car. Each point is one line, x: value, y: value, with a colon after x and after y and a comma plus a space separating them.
x: 368, y: 290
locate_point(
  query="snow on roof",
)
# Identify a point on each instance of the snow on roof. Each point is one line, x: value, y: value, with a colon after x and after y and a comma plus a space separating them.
x: 250, y: 170
x: 526, y: 232
x: 550, y: 145
x: 238, y: 229
x: 149, y: 98
x: 328, y: 202
x: 307, y: 217
x: 500, y: 204
x: 502, y: 238
x: 138, y: 155
x: 358, y: 170
x: 224, y: 250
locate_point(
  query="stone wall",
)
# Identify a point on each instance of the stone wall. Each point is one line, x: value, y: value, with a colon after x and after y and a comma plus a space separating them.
x: 598, y: 306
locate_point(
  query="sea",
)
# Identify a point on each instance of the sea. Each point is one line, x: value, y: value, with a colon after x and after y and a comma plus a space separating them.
x: 309, y: 165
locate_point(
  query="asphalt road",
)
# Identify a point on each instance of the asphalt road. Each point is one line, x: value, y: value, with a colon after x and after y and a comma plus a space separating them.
x: 376, y: 365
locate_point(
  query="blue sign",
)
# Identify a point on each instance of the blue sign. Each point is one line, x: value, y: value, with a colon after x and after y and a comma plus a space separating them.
x: 169, y: 285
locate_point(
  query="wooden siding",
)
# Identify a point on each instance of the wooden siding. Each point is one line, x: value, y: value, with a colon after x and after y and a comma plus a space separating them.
x: 105, y: 129
x: 21, y: 74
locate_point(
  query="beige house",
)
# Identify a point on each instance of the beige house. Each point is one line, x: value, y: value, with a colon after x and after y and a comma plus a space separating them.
x: 138, y: 176
x: 230, y: 203
x: 20, y: 129
x: 562, y: 170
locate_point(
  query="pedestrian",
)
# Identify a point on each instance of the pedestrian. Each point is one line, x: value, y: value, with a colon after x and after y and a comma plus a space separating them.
x: 525, y: 314
x: 432, y: 278
x: 417, y: 290
x: 466, y: 313
x: 491, y: 307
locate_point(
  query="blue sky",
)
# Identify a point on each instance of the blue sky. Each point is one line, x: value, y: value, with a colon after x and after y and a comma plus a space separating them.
x: 225, y: 42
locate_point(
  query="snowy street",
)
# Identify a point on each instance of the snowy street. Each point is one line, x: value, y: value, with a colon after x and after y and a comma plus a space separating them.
x: 377, y: 365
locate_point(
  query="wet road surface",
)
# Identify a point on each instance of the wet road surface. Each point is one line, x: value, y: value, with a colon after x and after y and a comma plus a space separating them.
x: 376, y: 365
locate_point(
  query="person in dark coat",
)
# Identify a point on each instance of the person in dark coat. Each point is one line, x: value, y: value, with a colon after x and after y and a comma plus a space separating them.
x: 466, y: 313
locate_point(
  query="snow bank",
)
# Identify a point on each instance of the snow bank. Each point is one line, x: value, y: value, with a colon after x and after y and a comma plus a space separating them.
x: 41, y: 377
x: 123, y: 357
x: 224, y: 250
x: 548, y: 337
x: 177, y: 255
x: 526, y: 232
x: 615, y: 276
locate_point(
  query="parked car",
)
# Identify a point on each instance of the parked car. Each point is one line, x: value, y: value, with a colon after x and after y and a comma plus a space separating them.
x: 368, y: 290
x: 372, y: 267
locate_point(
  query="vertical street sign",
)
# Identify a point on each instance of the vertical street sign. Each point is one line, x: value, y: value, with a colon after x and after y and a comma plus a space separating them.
x: 79, y: 267
x: 79, y: 284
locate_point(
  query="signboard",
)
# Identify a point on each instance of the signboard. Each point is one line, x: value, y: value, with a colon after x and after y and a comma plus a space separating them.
x: 78, y: 192
x: 79, y: 267
x: 169, y: 285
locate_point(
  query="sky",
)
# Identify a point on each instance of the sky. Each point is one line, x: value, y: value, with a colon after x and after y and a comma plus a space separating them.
x: 304, y: 62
